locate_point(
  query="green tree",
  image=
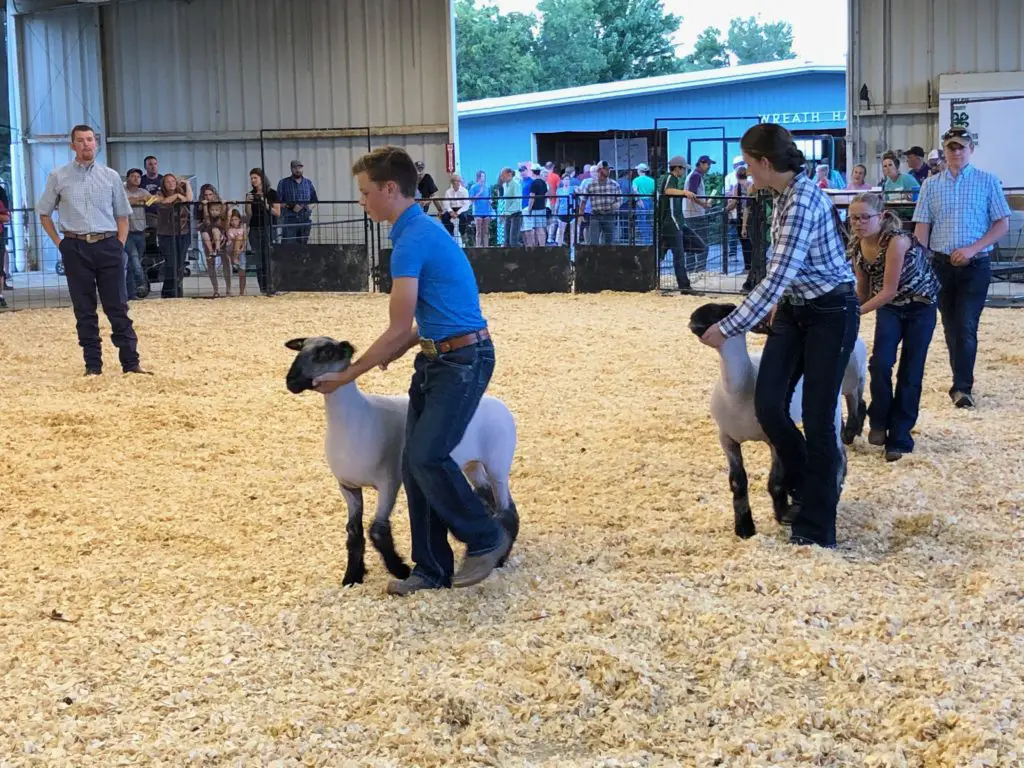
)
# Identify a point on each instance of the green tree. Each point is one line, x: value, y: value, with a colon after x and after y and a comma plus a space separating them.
x: 636, y: 39
x: 752, y: 42
x: 569, y: 51
x: 494, y: 52
x: 709, y: 52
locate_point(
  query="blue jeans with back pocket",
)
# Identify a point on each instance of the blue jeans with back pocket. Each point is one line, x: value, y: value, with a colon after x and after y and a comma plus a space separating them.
x: 443, y: 396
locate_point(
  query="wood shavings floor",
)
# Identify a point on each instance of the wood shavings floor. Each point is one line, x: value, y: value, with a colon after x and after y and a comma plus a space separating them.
x: 191, y: 541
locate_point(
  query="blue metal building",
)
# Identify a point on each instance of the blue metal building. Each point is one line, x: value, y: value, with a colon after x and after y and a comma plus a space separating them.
x: 651, y: 120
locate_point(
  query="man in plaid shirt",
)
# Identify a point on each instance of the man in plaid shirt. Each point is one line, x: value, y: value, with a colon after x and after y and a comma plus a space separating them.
x: 812, y: 334
x: 961, y: 213
x: 605, y: 199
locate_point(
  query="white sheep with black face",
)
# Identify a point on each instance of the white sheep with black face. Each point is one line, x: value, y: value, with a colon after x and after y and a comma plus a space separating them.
x: 364, y: 442
x: 732, y: 408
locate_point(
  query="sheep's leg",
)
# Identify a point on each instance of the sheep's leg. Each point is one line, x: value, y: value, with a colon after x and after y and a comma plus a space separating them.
x: 477, y: 476
x: 355, y: 543
x: 380, y: 533
x: 506, y: 513
x: 856, y: 411
x: 743, y: 519
x: 784, y: 511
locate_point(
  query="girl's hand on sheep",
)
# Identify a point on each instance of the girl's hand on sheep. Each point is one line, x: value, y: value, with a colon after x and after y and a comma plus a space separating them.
x: 331, y: 381
x: 713, y: 337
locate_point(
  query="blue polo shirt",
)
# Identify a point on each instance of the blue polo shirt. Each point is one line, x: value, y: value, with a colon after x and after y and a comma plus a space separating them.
x: 448, y: 303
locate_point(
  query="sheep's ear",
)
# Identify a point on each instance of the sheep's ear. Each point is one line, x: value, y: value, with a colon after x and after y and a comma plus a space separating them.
x: 295, y: 344
x: 346, y: 350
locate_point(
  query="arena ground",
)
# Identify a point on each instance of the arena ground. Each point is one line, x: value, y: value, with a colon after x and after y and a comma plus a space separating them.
x: 171, y: 552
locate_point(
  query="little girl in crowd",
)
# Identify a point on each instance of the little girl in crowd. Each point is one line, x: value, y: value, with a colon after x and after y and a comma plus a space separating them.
x: 236, y: 235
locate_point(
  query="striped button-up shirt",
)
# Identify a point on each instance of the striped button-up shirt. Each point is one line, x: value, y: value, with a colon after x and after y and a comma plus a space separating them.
x: 605, y: 196
x: 808, y: 258
x: 960, y: 210
x: 87, y: 198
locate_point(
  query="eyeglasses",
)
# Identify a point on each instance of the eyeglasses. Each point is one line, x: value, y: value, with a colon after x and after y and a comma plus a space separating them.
x: 958, y: 132
x: 862, y: 216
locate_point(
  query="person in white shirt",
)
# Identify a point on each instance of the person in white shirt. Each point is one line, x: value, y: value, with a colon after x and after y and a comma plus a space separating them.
x: 456, y: 207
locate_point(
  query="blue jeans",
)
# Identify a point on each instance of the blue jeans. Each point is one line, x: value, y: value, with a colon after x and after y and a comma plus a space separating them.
x: 295, y: 229
x: 896, y: 414
x: 961, y: 300
x: 443, y: 397
x: 134, y: 247
x: 813, y: 339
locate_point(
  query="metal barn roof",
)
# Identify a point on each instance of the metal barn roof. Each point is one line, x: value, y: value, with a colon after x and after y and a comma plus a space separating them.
x: 644, y: 86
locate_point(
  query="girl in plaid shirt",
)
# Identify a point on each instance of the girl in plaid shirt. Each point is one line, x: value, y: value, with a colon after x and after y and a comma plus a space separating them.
x: 811, y: 335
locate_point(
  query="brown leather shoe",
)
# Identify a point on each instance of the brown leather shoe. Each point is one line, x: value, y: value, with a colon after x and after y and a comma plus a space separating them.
x: 403, y: 587
x: 138, y: 369
x: 476, y: 568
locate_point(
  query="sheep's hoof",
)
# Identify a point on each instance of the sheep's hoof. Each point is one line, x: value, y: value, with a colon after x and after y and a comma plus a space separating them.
x: 745, y: 529
x: 509, y: 520
x: 354, y: 574
x: 399, y: 570
x: 788, y: 515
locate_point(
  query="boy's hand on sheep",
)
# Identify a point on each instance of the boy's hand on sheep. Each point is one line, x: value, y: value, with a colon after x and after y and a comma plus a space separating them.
x: 329, y: 382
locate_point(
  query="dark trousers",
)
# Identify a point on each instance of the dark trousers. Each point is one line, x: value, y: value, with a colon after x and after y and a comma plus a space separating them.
x: 673, y: 241
x: 744, y: 243
x: 173, y: 248
x: 98, y: 268
x: 259, y: 239
x: 813, y: 340
x: 513, y: 223
x: 961, y: 299
x: 443, y: 397
x: 463, y: 219
x: 295, y: 229
x: 896, y: 413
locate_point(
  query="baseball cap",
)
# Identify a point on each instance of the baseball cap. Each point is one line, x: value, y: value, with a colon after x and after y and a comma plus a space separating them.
x: 958, y: 135
x: 934, y: 155
x: 915, y: 150
x: 296, y: 164
x: 738, y: 160
x: 419, y: 165
x: 705, y: 159
x: 602, y: 164
x: 535, y: 167
x: 642, y: 167
x: 678, y: 160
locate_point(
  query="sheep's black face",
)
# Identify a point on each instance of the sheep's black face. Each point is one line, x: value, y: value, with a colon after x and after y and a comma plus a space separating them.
x: 706, y: 315
x: 316, y: 356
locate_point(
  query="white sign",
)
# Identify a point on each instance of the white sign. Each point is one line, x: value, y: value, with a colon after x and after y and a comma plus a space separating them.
x: 624, y: 153
x: 798, y: 118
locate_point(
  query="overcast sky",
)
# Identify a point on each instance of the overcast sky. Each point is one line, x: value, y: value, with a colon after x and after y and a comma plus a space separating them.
x: 819, y: 29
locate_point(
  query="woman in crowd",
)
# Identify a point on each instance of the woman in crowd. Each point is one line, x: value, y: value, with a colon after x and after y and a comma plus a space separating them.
x: 815, y: 325
x: 173, y: 231
x: 896, y: 280
x: 211, y: 223
x: 261, y: 204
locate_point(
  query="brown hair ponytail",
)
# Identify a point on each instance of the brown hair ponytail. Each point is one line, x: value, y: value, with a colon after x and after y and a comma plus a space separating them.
x: 891, y: 224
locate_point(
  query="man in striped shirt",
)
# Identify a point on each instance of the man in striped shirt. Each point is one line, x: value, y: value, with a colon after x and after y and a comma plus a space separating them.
x: 93, y: 208
x: 961, y: 213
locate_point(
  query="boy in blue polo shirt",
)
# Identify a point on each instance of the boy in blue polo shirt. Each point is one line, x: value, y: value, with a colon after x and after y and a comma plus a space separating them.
x: 433, y: 283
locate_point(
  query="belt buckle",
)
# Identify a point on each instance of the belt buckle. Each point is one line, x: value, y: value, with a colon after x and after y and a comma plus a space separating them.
x: 93, y: 237
x: 429, y: 347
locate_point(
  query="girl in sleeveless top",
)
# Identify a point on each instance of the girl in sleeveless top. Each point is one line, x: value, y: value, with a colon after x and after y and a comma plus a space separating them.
x: 896, y: 280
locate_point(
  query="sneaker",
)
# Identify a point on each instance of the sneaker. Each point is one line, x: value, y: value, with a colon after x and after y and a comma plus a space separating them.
x: 476, y: 568
x: 414, y: 583
x: 893, y: 455
x: 876, y: 436
x: 963, y: 400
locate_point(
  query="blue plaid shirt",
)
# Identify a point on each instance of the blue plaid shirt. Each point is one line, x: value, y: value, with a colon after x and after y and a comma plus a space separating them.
x: 291, y: 191
x: 808, y: 258
x: 960, y: 210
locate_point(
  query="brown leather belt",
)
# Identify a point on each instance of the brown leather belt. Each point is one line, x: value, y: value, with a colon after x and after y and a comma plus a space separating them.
x: 433, y: 348
x: 90, y: 237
